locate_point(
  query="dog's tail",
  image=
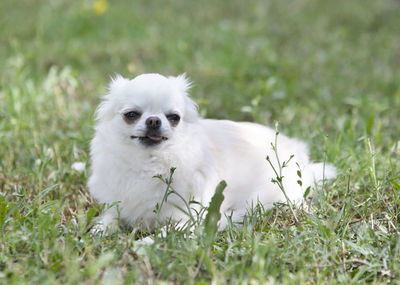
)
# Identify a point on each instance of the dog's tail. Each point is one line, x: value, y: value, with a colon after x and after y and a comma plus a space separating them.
x: 317, y: 173
x: 313, y: 177
x: 323, y: 171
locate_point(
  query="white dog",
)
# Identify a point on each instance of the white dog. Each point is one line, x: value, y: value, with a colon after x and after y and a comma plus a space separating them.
x: 148, y: 125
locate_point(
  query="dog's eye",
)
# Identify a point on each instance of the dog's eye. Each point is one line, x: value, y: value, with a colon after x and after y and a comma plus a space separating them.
x: 132, y: 115
x: 173, y: 118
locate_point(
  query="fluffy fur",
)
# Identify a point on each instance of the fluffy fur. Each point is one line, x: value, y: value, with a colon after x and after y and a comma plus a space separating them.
x: 129, y: 149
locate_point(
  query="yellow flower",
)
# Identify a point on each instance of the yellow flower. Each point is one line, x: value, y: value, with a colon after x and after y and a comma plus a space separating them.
x: 100, y: 6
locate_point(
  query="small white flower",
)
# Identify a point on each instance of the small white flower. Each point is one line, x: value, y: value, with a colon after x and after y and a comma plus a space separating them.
x: 78, y: 166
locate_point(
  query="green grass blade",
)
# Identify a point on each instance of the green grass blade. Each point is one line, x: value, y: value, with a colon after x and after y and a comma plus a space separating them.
x: 213, y: 214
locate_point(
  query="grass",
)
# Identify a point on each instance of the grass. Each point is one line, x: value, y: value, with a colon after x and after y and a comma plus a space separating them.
x: 328, y: 72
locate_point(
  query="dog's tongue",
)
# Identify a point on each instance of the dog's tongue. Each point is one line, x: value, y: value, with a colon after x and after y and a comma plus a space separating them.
x: 155, y: 138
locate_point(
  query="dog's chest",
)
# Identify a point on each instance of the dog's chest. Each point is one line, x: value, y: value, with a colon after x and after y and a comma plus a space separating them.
x: 153, y: 166
x: 142, y: 176
x: 141, y: 186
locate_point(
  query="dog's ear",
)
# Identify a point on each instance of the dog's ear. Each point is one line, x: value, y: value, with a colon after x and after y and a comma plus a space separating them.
x: 117, y: 83
x: 183, y: 84
x: 104, y: 110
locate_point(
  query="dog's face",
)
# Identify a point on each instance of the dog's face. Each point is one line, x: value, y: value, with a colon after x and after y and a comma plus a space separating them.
x: 147, y: 110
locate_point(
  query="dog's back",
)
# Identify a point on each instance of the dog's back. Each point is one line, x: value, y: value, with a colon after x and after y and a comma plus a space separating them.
x: 241, y: 150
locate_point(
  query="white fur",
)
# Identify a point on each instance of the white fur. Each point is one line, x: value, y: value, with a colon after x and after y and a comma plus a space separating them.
x: 203, y: 151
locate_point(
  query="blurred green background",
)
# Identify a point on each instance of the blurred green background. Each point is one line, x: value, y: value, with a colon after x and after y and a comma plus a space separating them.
x: 281, y: 58
x: 327, y: 71
x: 319, y: 68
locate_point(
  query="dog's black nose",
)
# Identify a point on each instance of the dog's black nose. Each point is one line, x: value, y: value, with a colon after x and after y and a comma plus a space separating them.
x: 153, y: 122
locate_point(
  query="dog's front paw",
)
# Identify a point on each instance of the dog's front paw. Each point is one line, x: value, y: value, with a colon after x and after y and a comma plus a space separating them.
x: 145, y: 241
x: 101, y: 229
x: 98, y: 230
x: 107, y: 224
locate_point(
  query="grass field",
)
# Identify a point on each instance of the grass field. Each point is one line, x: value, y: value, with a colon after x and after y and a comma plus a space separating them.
x: 328, y: 72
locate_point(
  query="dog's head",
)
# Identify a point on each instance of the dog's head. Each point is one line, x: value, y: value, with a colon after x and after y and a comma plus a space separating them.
x: 148, y: 109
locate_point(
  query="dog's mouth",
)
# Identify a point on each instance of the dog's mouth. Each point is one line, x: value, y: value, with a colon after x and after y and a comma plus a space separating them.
x: 150, y: 139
